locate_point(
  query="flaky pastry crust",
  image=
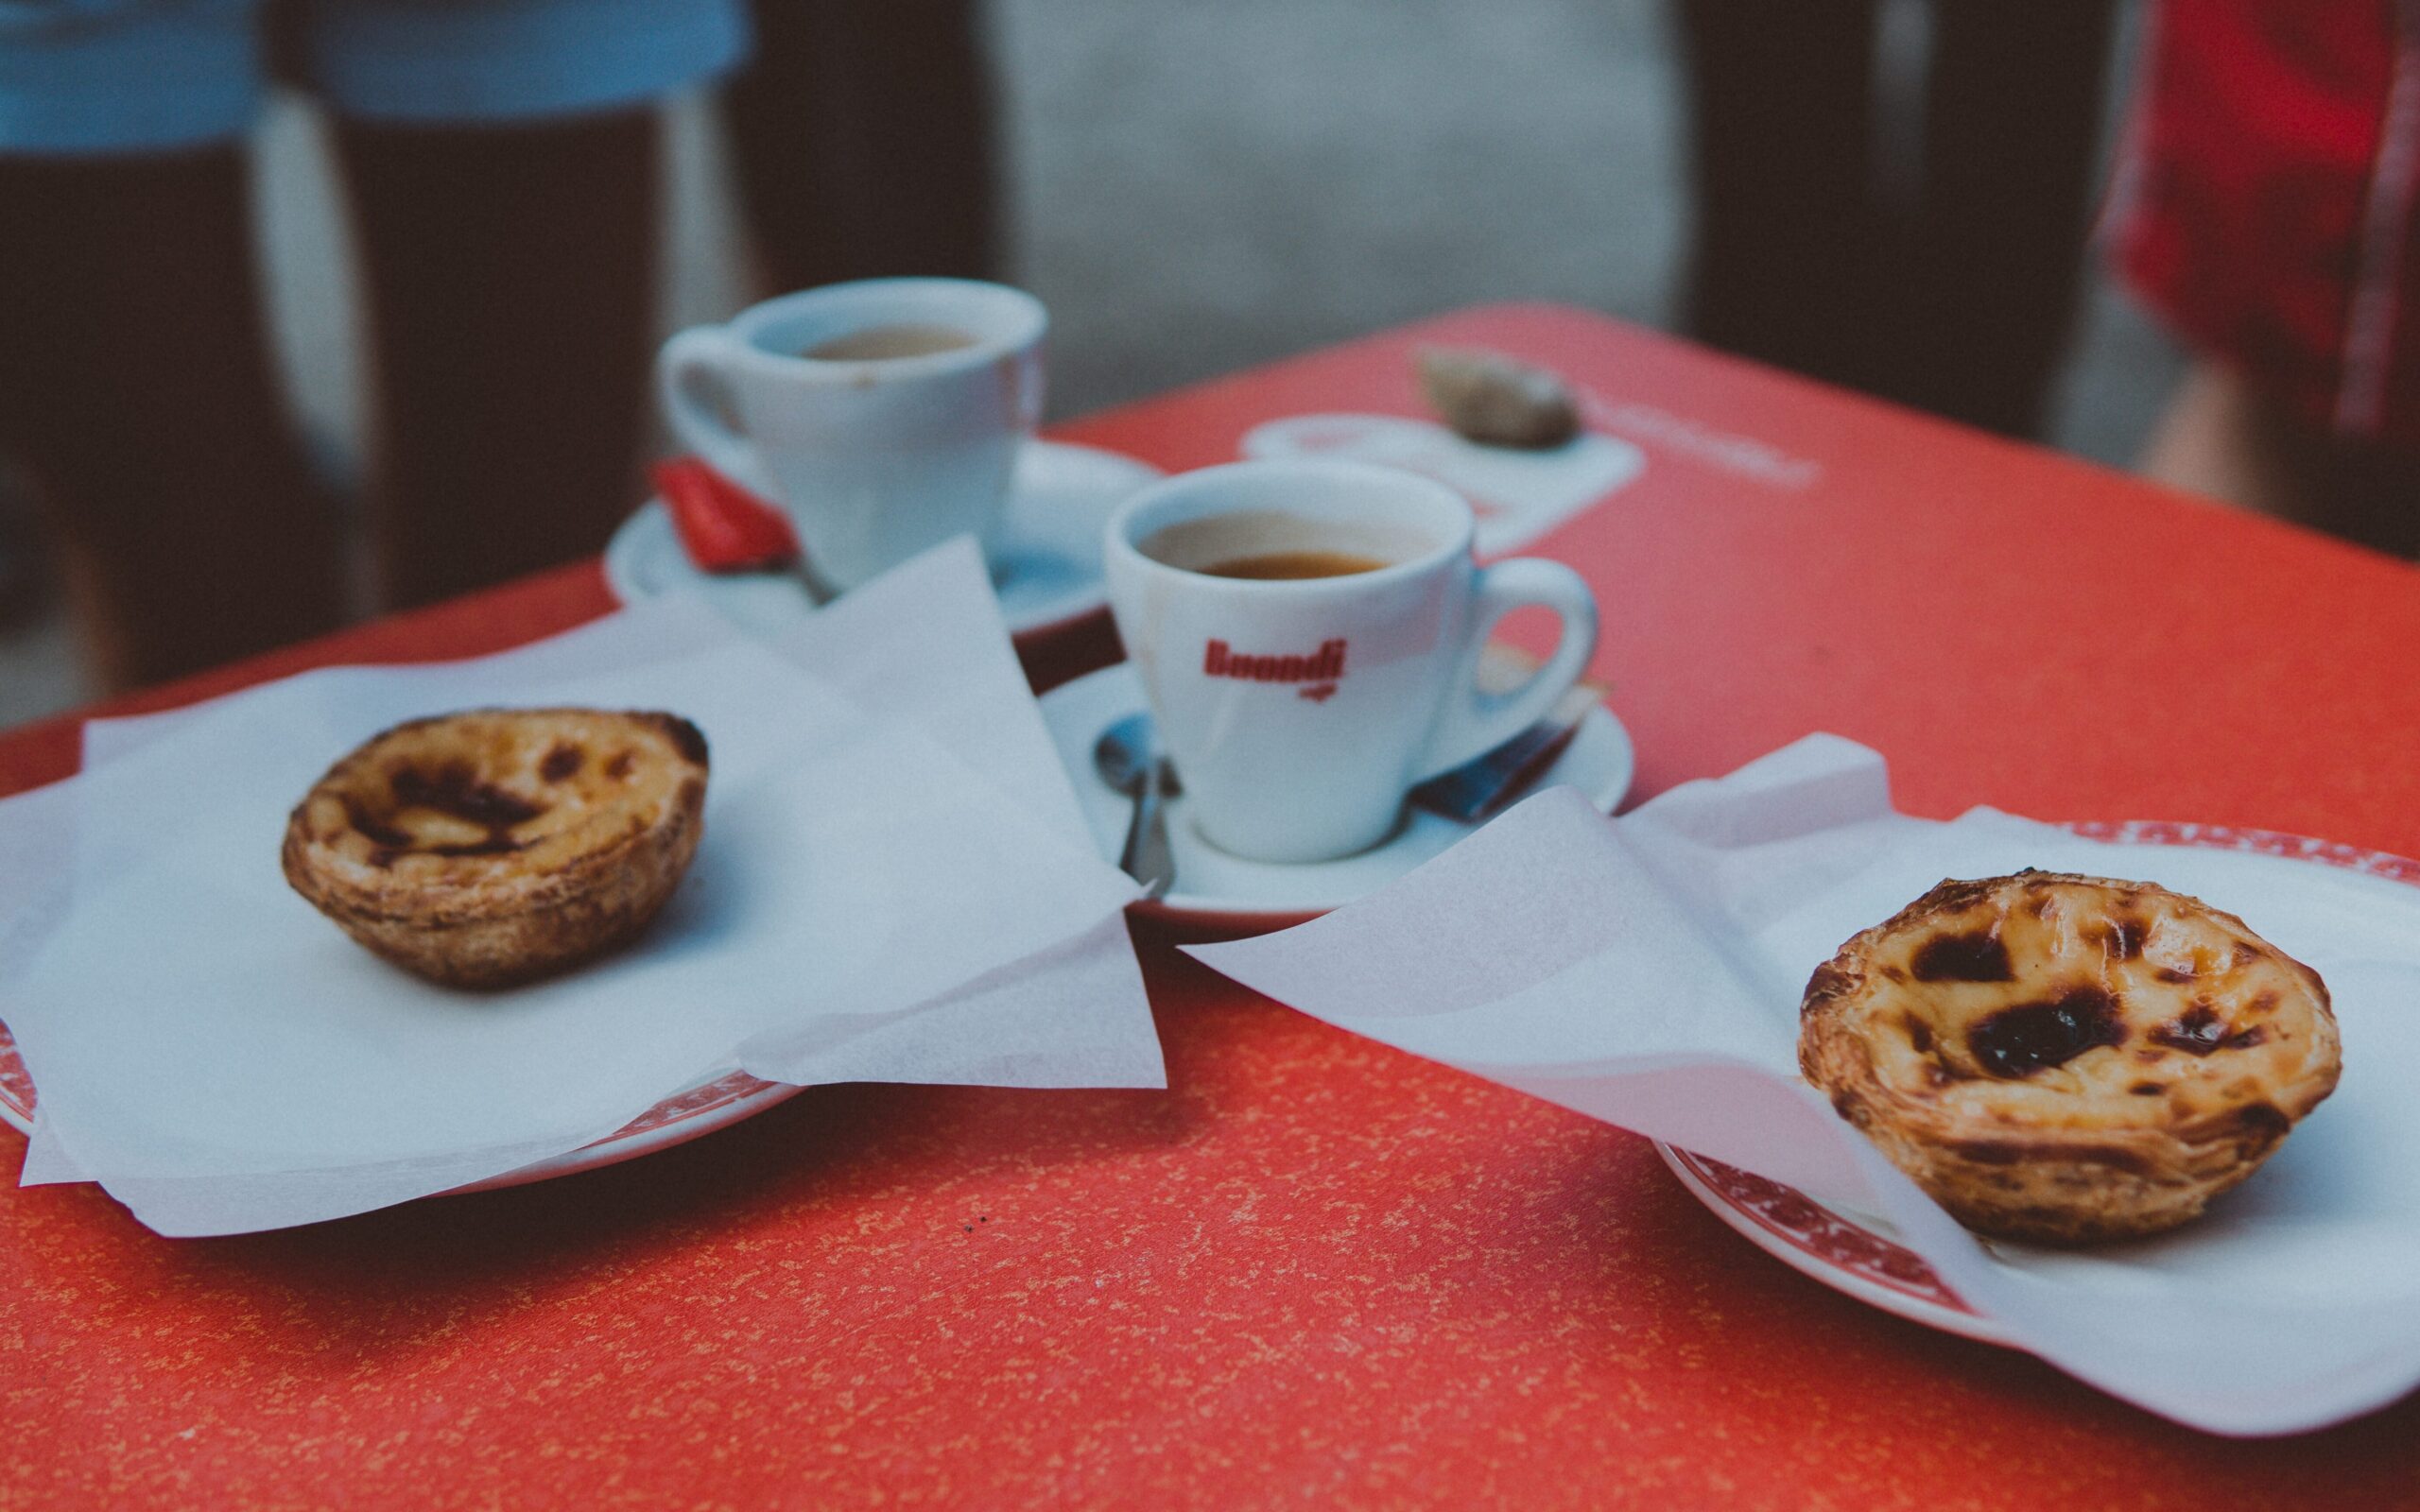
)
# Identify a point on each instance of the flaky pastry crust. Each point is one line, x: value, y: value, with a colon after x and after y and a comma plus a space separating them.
x: 2066, y: 1058
x: 490, y: 848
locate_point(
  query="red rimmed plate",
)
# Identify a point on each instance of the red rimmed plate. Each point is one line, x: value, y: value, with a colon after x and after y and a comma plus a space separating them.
x: 677, y: 1120
x: 1859, y: 1255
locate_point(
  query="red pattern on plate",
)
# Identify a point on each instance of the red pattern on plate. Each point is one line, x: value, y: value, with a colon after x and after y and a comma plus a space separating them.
x: 1806, y: 1225
x: 17, y: 1094
x: 1823, y: 1235
x: 16, y: 1088
x: 2265, y: 842
x: 688, y: 1105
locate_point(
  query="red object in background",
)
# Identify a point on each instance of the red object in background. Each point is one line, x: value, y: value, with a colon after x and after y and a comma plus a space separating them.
x: 2268, y: 201
x: 722, y: 526
x: 1314, y: 1270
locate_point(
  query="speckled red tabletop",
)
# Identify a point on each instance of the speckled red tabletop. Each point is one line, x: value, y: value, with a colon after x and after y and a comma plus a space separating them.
x: 1314, y: 1271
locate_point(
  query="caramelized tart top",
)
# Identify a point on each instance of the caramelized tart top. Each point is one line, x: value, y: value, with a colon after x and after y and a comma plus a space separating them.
x: 468, y: 799
x: 2055, y: 1002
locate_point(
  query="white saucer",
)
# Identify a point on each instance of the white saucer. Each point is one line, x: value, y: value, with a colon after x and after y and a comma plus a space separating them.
x: 1217, y: 889
x: 1045, y: 567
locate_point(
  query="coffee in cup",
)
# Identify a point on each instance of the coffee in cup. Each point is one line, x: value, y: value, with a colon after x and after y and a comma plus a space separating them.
x: 887, y: 343
x: 1282, y: 565
x: 882, y: 417
x: 1308, y: 634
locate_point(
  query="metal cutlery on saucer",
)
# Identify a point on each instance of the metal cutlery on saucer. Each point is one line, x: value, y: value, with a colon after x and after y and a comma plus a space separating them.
x: 1128, y: 759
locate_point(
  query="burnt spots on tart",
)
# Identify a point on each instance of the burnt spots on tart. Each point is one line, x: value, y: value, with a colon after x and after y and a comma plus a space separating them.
x: 497, y: 846
x: 2066, y: 1058
x: 1972, y: 957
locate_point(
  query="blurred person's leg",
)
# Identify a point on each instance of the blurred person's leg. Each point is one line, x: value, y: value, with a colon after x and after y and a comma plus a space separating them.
x: 2212, y: 439
x: 511, y: 278
x: 1782, y: 111
x: 503, y: 161
x: 2221, y: 439
x: 137, y: 389
x: 863, y: 136
x: 2010, y: 154
x: 25, y: 556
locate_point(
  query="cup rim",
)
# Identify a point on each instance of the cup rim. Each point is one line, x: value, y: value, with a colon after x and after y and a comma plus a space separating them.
x: 1122, y: 543
x: 1029, y: 321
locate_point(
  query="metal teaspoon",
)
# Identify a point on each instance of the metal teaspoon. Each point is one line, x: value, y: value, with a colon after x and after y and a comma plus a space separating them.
x: 1126, y: 760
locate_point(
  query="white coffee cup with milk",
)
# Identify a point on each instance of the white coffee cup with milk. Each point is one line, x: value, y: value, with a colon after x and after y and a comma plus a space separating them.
x: 882, y: 417
x: 1308, y: 633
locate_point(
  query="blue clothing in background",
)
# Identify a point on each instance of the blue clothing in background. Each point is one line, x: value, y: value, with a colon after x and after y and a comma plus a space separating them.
x: 146, y: 76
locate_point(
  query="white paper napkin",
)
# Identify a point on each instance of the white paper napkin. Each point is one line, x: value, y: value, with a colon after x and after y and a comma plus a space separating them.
x: 1647, y: 971
x: 890, y: 888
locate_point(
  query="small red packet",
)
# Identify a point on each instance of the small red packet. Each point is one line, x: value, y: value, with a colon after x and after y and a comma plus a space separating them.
x: 722, y: 526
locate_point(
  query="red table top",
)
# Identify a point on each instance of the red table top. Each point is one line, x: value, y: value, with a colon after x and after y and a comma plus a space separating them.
x: 1314, y: 1269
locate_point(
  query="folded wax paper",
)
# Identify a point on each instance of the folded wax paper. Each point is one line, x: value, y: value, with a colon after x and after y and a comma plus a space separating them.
x: 1647, y: 971
x: 895, y: 885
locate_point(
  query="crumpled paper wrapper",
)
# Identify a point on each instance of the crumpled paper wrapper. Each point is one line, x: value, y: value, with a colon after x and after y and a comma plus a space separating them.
x: 895, y: 885
x: 1647, y: 971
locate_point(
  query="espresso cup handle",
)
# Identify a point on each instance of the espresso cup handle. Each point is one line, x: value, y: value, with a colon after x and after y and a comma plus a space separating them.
x: 690, y: 382
x: 1474, y: 721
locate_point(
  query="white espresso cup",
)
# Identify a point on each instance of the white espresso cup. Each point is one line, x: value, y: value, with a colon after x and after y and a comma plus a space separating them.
x: 874, y: 455
x: 1299, y: 711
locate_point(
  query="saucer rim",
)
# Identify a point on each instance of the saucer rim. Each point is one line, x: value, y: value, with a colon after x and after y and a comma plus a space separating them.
x: 1215, y: 912
x: 651, y: 520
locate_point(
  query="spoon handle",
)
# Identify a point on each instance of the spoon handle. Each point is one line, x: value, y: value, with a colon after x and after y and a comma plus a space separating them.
x: 1147, y: 856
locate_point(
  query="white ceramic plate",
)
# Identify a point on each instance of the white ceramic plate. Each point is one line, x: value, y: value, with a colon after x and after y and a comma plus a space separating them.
x: 1046, y: 566
x: 677, y: 1120
x: 1220, y: 890
x: 1858, y: 1254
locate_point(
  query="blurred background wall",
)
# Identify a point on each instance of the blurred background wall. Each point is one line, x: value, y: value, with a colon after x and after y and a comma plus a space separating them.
x: 1195, y: 186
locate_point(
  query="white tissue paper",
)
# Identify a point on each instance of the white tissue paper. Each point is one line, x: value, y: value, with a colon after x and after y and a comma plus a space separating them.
x: 895, y: 885
x: 1647, y: 971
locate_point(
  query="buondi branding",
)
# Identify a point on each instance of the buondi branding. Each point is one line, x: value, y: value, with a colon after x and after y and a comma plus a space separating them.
x: 1320, y: 671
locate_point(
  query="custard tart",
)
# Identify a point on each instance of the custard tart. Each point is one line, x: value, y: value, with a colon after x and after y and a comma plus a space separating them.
x: 493, y: 846
x: 2068, y: 1059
